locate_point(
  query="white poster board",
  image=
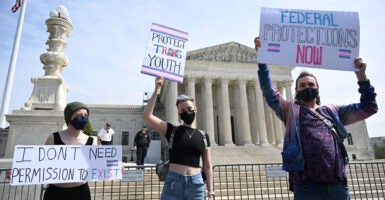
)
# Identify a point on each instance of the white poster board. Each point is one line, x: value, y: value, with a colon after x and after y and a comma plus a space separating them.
x: 34, y: 164
x: 309, y: 38
x: 166, y: 53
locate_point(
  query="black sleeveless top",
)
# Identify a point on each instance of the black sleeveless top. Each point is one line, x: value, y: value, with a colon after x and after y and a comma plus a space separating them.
x: 58, y: 141
x: 188, y: 145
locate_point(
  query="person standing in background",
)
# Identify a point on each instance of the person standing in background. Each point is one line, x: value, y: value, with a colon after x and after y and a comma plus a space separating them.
x: 105, y: 134
x: 141, y: 143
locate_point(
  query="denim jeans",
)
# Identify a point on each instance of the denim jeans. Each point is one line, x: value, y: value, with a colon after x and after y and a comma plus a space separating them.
x: 180, y: 187
x: 321, y: 191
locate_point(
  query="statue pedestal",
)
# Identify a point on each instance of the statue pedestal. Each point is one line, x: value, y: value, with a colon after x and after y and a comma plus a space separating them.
x: 32, y: 127
x: 49, y: 93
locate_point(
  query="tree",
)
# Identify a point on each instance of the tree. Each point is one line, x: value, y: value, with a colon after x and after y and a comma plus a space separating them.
x: 88, y: 129
x: 379, y: 152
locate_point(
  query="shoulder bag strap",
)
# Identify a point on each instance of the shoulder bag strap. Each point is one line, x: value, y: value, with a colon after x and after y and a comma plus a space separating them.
x: 169, y: 146
x: 328, y: 123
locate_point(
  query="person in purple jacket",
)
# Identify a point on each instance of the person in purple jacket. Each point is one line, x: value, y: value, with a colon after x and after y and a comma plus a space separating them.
x: 313, y: 153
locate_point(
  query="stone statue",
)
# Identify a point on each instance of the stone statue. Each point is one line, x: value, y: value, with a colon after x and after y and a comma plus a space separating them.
x: 50, y: 91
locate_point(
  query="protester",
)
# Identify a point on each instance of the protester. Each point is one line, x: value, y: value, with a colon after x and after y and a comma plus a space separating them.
x: 76, y: 117
x: 106, y: 134
x: 142, y: 142
x: 184, y: 179
x: 312, y: 153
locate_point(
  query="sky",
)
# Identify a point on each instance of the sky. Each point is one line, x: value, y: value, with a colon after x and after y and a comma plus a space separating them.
x: 108, y: 43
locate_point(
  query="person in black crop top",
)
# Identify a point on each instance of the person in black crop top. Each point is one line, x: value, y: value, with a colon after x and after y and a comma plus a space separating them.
x: 184, y: 179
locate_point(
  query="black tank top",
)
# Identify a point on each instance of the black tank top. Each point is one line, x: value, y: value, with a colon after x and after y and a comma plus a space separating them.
x: 58, y: 141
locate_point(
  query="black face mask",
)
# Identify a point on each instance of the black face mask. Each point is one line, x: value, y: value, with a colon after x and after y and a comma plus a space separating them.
x: 307, y: 94
x: 188, y: 116
x: 79, y: 122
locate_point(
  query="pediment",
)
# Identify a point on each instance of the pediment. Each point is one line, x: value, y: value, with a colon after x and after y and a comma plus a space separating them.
x: 227, y: 52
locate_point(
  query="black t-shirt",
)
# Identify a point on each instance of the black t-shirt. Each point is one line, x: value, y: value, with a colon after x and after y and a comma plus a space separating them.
x: 188, y: 145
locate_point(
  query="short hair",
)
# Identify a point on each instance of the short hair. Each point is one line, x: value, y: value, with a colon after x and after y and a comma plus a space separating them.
x: 183, y: 98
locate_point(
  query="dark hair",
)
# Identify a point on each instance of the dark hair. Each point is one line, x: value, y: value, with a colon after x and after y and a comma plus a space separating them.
x: 183, y: 98
x: 301, y: 75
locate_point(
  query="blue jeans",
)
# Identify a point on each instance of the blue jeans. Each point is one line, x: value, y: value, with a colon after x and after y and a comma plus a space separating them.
x: 180, y: 187
x: 321, y: 191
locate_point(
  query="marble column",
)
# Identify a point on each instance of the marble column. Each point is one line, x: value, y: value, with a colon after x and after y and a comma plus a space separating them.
x: 254, y: 129
x: 191, y: 93
x: 277, y: 122
x: 191, y: 86
x: 244, y: 112
x: 224, y: 113
x: 289, y: 94
x: 261, y: 118
x: 208, y: 112
x: 269, y: 123
x: 171, y: 110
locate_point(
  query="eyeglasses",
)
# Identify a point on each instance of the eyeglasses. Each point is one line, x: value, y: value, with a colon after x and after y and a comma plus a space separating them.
x: 183, y: 98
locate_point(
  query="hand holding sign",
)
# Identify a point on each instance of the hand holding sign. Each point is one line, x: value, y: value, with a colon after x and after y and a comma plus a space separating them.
x: 158, y: 84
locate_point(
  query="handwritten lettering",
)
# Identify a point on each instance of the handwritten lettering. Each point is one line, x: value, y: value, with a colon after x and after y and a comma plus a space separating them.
x: 60, y: 153
x: 24, y: 149
x: 167, y: 40
x: 103, y: 173
x: 309, y: 55
x: 308, y: 18
x: 102, y: 152
x: 28, y: 175
x: 165, y: 64
x: 336, y: 37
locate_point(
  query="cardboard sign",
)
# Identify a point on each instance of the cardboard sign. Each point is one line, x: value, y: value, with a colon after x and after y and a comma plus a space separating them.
x: 33, y: 164
x: 166, y: 54
x: 310, y: 38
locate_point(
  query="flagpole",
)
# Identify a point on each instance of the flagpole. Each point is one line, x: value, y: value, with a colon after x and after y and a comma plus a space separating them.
x: 11, y: 69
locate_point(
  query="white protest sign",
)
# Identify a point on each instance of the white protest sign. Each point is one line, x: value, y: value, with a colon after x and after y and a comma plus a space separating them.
x: 34, y: 164
x: 166, y: 54
x: 310, y: 38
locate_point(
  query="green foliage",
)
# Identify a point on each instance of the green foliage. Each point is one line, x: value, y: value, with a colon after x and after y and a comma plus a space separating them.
x: 379, y: 152
x: 88, y: 129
